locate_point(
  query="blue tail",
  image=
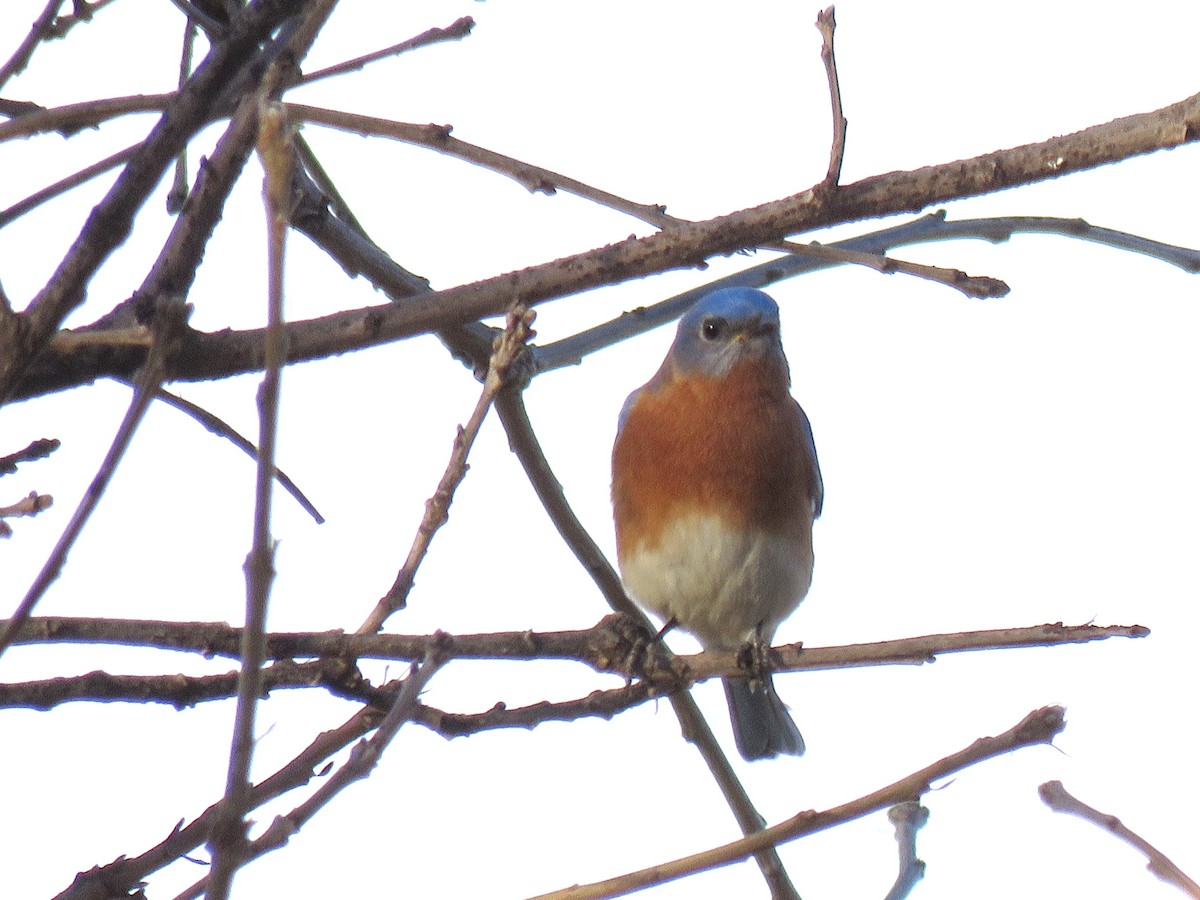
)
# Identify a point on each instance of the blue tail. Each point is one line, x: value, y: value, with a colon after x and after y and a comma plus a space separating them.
x: 762, y: 726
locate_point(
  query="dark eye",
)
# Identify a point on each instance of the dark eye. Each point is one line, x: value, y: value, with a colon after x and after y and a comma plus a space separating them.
x: 713, y: 329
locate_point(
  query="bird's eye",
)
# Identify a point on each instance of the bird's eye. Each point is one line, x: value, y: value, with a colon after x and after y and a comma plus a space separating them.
x: 713, y: 329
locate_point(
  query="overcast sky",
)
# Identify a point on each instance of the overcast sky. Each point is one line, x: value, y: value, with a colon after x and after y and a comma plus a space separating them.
x: 987, y: 463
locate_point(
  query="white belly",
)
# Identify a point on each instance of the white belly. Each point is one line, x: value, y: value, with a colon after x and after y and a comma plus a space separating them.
x: 718, y: 583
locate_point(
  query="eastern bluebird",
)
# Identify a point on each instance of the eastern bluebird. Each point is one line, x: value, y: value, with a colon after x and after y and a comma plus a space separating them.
x: 715, y: 489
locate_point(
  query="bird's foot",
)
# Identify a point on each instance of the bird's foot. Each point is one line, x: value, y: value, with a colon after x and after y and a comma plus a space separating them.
x: 624, y: 645
x: 755, y: 657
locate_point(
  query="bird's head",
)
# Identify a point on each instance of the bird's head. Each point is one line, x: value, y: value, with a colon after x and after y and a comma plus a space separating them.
x: 725, y: 328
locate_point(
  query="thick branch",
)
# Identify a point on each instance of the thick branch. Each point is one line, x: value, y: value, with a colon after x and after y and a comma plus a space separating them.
x: 228, y: 353
x: 111, y: 221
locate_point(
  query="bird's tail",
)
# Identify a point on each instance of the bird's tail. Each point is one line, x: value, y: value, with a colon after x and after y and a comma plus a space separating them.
x: 762, y: 725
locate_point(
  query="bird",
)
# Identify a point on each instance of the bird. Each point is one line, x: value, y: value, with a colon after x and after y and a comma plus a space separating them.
x: 715, y: 488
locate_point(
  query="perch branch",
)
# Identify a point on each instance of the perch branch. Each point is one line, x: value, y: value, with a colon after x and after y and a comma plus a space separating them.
x: 605, y: 647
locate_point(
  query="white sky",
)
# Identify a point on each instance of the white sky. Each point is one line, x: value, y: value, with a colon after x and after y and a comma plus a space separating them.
x: 987, y: 464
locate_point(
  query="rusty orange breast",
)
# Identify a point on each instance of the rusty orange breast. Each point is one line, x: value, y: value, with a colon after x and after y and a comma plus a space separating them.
x: 734, y: 447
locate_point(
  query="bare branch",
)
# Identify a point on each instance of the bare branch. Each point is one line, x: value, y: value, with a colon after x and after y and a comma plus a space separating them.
x: 73, y: 117
x: 119, y: 877
x: 110, y: 221
x: 932, y: 227
x: 690, y: 243
x: 826, y: 24
x: 39, y: 32
x: 607, y: 646
x: 455, y: 31
x: 218, y: 426
x: 63, y: 185
x: 175, y: 690
x: 38, y: 449
x: 169, y: 321
x: 977, y: 286
x: 363, y: 759
x: 908, y: 817
x: 437, y: 137
x: 1039, y: 727
x: 507, y: 353
x: 179, y: 184
x: 1055, y: 796
x: 229, y: 832
x: 30, y: 505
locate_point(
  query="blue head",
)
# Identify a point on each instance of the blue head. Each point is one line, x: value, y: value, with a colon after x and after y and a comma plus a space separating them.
x: 725, y: 328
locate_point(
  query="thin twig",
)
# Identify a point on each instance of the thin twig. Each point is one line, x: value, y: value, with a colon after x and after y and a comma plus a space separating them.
x: 169, y: 320
x: 221, y: 428
x: 1039, y: 727
x: 908, y: 817
x: 506, y: 355
x: 36, y: 450
x: 73, y: 117
x: 120, y: 877
x: 980, y: 287
x: 84, y: 12
x: 837, y: 151
x: 179, y: 184
x: 328, y: 189
x: 456, y: 31
x: 363, y: 758
x: 206, y: 17
x: 63, y: 185
x: 437, y: 137
x: 928, y: 228
x: 229, y: 833
x: 1055, y: 796
x: 30, y: 505
x: 38, y: 32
